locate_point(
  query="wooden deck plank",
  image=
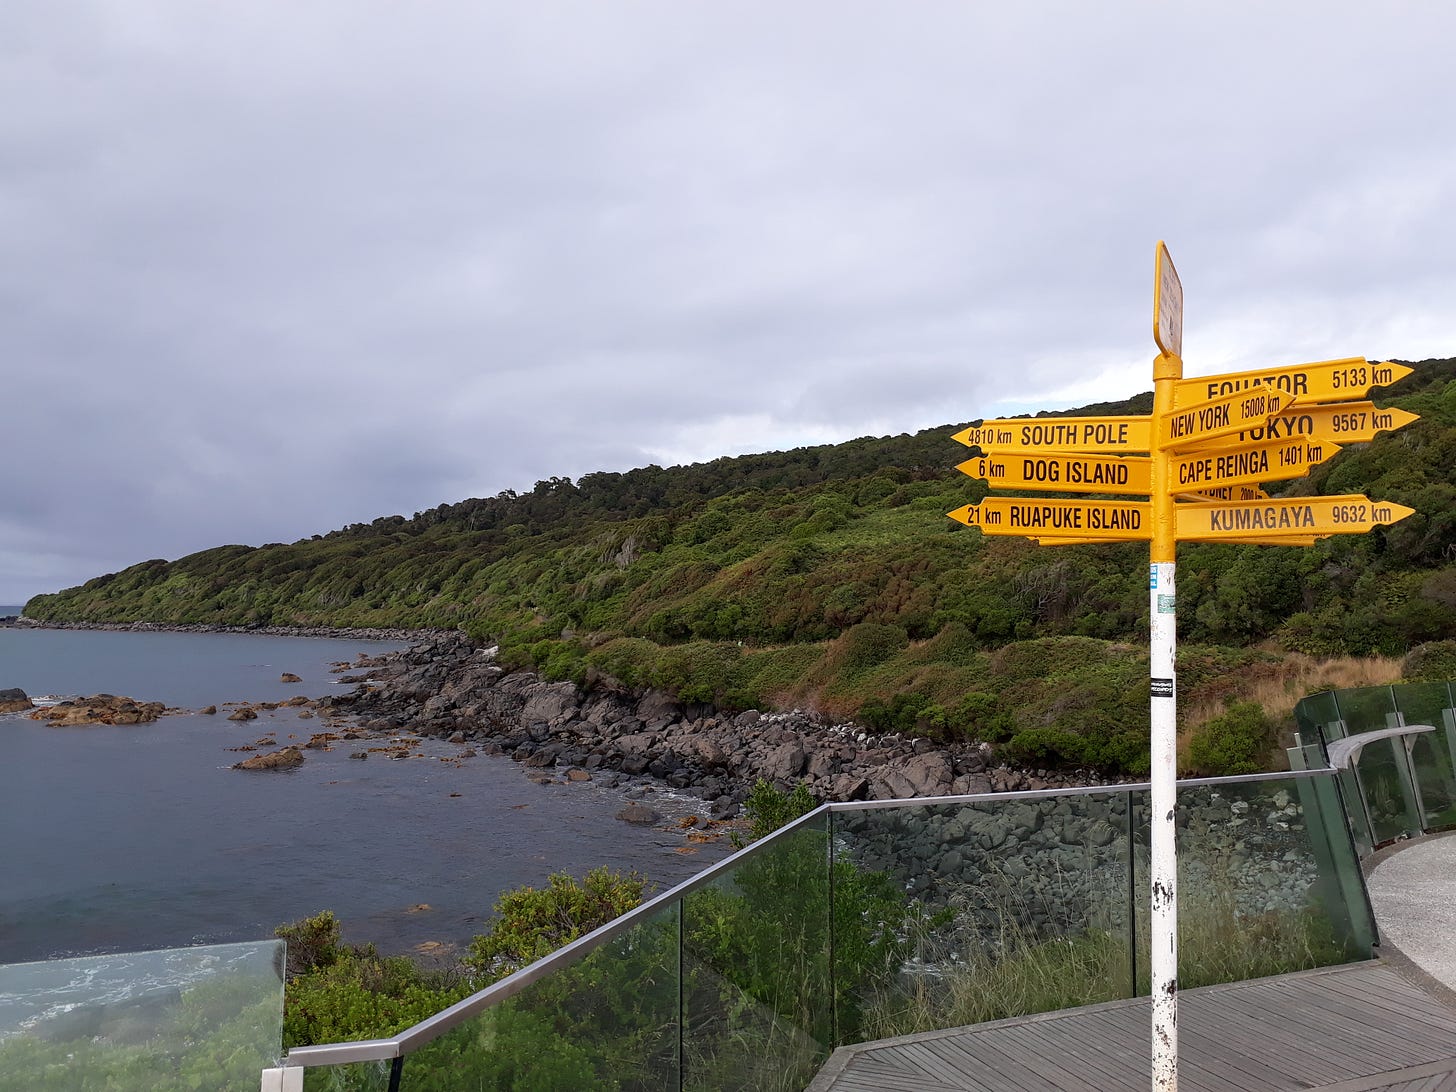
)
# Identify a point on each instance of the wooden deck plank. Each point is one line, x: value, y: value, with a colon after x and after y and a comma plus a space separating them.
x: 1359, y: 1027
x: 1044, y: 1063
x: 1098, y: 1068
x: 1257, y: 1032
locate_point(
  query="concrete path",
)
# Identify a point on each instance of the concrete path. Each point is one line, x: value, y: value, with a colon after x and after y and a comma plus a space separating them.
x: 1413, y: 891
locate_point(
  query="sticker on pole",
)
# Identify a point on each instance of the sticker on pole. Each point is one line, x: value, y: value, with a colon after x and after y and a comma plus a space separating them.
x: 1166, y: 604
x: 1162, y: 688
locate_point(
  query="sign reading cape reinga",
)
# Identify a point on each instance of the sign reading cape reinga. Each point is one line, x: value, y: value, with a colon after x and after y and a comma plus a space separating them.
x: 1210, y: 443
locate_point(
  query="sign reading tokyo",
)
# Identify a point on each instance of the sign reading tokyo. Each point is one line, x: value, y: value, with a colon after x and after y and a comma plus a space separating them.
x: 1324, y: 381
x: 1017, y: 434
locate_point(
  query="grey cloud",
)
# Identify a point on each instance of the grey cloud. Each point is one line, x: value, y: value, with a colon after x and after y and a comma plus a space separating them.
x: 266, y: 269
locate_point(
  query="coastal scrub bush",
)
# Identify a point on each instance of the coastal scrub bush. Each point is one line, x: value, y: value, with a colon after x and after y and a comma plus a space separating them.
x: 1434, y: 661
x: 1238, y: 741
x: 759, y: 961
x: 335, y: 992
x: 769, y: 808
x: 533, y: 922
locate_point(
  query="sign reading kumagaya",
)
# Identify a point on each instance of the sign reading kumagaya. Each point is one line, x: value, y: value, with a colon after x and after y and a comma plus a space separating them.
x: 1017, y: 434
x: 1035, y: 516
x: 1323, y: 381
x: 1231, y: 521
x: 1074, y: 472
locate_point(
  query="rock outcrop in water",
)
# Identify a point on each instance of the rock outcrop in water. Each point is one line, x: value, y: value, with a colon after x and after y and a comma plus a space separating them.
x: 285, y: 759
x: 15, y: 700
x: 100, y: 709
x: 449, y: 688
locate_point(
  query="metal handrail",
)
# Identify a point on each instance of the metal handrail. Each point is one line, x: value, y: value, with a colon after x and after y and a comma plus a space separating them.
x: 431, y: 1028
x: 1346, y: 750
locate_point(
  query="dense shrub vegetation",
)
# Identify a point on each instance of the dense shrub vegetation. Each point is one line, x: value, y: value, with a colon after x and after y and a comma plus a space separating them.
x: 830, y: 576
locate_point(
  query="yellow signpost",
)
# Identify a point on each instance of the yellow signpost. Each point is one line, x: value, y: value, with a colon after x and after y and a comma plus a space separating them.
x: 1209, y: 442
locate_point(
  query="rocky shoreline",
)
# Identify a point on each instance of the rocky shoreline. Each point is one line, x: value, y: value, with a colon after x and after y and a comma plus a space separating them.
x: 448, y: 687
x: 199, y: 627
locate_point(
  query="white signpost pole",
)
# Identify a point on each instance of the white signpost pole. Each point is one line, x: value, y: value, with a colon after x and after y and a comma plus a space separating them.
x: 1163, y: 916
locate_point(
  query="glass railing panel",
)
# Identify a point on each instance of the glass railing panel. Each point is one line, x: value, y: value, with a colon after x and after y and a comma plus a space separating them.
x: 1431, y: 753
x: 1315, y: 713
x: 1421, y: 703
x: 1361, y: 828
x: 758, y: 1000
x: 184, y: 1018
x: 1365, y: 708
x: 358, y: 1077
x: 607, y: 1020
x: 1258, y: 893
x: 1385, y: 786
x: 1014, y: 906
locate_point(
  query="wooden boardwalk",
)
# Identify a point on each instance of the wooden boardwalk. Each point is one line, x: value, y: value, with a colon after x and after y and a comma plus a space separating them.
x: 1363, y: 1027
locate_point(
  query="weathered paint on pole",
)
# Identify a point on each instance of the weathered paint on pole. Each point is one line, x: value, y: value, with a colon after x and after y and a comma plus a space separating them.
x: 1162, y: 600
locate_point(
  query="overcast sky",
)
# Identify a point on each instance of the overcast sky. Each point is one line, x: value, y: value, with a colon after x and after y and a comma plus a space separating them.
x: 270, y: 268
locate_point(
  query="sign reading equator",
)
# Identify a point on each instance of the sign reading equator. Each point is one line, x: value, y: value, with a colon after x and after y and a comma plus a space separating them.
x: 1322, y: 381
x: 1093, y: 434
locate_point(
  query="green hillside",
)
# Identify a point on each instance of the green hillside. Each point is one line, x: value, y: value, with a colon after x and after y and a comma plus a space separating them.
x: 830, y: 576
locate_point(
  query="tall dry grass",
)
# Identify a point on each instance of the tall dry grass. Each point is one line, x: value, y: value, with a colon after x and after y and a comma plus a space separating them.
x: 1277, y: 687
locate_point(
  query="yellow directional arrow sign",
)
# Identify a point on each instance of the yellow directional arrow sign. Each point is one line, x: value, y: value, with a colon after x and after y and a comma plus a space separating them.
x: 1288, y: 540
x: 1291, y: 540
x: 1323, y: 381
x: 1334, y: 422
x: 1246, y: 465
x: 1226, y: 493
x: 1348, y: 422
x: 1069, y: 473
x: 1034, y: 517
x: 1200, y: 422
x: 1021, y: 434
x: 1300, y: 516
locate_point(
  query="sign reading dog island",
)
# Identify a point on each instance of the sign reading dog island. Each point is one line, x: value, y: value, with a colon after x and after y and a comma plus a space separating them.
x: 1210, y: 443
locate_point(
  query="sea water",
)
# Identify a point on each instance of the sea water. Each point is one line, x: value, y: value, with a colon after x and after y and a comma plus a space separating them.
x: 121, y: 838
